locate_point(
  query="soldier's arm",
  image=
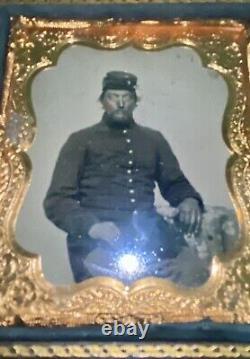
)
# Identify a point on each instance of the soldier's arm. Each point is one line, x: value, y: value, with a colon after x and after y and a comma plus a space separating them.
x: 62, y: 205
x: 173, y: 184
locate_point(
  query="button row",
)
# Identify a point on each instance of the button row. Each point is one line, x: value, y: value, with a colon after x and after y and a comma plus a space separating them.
x: 129, y: 171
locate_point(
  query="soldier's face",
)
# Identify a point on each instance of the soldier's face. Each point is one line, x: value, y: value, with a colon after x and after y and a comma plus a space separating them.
x: 119, y: 105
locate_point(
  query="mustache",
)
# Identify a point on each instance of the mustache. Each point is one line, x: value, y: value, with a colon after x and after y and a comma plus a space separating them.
x: 121, y: 110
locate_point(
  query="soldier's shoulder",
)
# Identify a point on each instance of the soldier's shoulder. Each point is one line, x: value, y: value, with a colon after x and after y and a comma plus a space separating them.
x: 84, y: 132
x: 150, y: 131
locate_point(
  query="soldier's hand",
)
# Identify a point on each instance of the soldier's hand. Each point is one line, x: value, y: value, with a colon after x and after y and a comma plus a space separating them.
x: 106, y: 231
x: 190, y: 215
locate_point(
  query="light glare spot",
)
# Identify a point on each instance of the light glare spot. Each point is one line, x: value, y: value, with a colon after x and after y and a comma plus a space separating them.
x: 129, y: 263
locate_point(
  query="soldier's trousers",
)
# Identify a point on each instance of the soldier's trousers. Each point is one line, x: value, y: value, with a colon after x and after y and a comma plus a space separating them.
x: 147, y: 234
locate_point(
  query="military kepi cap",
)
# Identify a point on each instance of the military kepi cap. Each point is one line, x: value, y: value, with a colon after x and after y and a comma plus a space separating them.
x: 119, y: 80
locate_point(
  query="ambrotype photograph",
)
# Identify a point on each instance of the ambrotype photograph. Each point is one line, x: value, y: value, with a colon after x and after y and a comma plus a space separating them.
x: 131, y: 181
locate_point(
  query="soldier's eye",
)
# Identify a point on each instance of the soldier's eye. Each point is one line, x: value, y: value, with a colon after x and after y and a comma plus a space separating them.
x: 127, y: 97
x: 112, y: 98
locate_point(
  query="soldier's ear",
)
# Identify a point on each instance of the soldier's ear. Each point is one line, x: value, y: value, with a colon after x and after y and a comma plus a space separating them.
x: 101, y: 97
x: 102, y: 105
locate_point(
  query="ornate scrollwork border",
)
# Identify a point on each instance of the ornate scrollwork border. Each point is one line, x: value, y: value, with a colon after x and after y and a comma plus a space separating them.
x: 24, y: 292
x: 115, y: 350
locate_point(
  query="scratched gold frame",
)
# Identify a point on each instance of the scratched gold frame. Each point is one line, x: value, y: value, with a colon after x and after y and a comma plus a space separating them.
x: 24, y: 292
x: 124, y: 350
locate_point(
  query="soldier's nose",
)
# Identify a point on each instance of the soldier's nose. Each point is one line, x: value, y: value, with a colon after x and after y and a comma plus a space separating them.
x: 121, y: 103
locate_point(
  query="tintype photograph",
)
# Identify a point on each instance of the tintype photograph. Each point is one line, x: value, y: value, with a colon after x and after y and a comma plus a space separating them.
x: 124, y: 181
x: 131, y: 182
x: 125, y: 172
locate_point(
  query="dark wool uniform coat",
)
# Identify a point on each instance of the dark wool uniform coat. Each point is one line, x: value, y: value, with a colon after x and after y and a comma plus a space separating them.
x: 107, y: 173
